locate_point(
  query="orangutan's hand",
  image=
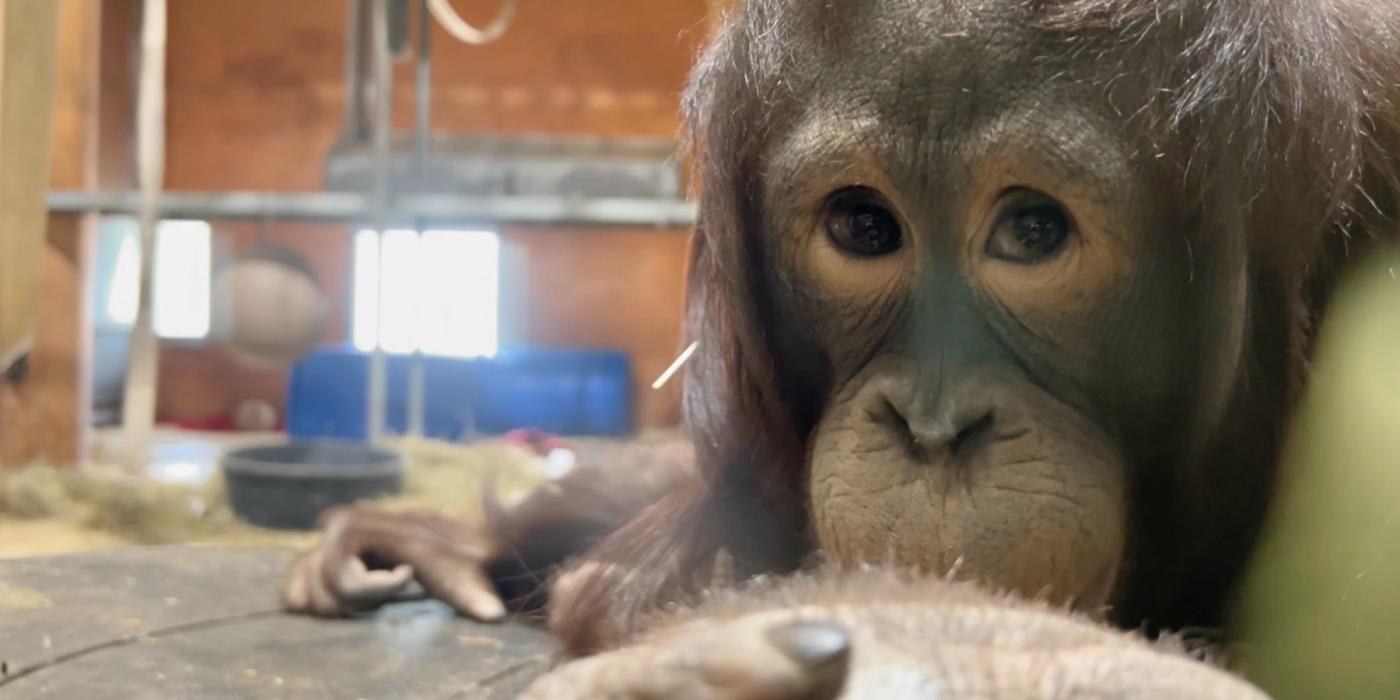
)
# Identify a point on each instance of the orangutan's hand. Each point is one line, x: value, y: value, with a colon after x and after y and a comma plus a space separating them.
x: 370, y: 556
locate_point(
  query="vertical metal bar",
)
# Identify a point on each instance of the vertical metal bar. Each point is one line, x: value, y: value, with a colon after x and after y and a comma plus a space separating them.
x: 398, y: 28
x: 423, y: 93
x: 416, y: 394
x: 354, y: 129
x: 356, y: 49
x: 377, y: 391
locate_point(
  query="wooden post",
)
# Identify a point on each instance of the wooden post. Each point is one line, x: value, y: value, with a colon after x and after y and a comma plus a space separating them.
x: 143, y: 362
x: 50, y: 57
x: 28, y: 29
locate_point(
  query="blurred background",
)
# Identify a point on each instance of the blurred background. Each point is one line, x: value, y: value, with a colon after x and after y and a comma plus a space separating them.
x: 529, y: 273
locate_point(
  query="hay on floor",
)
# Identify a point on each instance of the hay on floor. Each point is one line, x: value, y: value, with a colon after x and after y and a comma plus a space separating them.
x: 44, y: 510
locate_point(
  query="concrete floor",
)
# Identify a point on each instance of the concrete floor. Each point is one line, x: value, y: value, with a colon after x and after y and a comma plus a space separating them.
x: 182, y: 622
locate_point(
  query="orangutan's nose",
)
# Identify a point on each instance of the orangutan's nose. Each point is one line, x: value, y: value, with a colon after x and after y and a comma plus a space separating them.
x: 946, y: 426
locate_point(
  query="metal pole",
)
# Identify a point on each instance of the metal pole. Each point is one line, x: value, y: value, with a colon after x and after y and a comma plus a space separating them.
x: 438, y: 210
x: 377, y: 391
x: 422, y: 124
x: 416, y: 378
x: 355, y: 52
x: 355, y: 128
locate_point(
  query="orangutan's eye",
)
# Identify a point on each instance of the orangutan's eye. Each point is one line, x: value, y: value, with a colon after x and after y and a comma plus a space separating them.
x: 858, y: 222
x: 1032, y: 229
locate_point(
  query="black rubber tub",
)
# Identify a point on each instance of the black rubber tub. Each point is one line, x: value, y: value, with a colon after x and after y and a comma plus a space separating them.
x: 289, y: 486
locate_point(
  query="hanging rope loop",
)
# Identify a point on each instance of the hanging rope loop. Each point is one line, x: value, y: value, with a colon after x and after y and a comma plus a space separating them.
x: 464, y: 32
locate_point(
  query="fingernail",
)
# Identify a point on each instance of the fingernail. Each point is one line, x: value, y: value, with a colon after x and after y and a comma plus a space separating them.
x: 485, y: 607
x: 812, y: 644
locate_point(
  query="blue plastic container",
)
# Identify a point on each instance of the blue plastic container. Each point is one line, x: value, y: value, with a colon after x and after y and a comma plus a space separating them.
x: 562, y: 391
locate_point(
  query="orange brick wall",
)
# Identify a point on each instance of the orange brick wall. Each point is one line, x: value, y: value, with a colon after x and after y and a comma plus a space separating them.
x: 256, y: 99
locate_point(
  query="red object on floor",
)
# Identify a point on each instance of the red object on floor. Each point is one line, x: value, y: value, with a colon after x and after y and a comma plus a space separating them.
x: 537, y: 441
x: 222, y: 423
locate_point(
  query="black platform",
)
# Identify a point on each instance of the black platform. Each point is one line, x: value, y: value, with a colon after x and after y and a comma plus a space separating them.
x: 191, y: 622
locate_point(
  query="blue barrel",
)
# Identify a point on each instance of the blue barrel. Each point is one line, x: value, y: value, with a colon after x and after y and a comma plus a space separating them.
x: 559, y: 390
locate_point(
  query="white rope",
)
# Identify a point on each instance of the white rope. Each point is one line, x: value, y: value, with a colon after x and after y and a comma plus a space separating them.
x: 460, y: 30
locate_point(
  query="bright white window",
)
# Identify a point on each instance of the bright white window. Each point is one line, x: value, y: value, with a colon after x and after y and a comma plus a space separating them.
x: 182, y: 279
x: 122, y: 297
x: 436, y: 292
x: 181, y: 285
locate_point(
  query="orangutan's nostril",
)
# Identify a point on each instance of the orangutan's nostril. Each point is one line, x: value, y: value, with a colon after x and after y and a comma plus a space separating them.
x: 891, y: 417
x: 969, y: 433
